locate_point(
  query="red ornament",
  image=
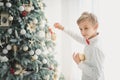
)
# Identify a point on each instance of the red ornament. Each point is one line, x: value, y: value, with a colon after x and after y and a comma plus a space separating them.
x: 50, y: 68
x: 24, y: 13
x: 51, y: 31
x: 12, y: 71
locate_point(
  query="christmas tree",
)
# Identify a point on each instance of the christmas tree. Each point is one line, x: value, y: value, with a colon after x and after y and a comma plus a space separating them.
x: 27, y: 44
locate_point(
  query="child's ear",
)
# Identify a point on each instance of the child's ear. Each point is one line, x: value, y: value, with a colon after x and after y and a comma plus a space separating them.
x: 96, y: 26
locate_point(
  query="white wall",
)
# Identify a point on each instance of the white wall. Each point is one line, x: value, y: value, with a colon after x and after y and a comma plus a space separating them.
x: 109, y: 15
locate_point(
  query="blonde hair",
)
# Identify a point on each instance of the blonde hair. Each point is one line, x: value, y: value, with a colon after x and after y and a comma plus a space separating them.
x: 87, y: 16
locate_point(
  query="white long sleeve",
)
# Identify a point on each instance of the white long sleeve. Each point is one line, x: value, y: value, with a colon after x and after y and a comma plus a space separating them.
x: 75, y: 36
x: 92, y: 67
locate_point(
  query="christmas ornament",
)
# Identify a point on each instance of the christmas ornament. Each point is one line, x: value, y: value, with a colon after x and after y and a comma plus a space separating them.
x: 20, y: 70
x: 4, y: 21
x: 5, y: 51
x: 25, y: 48
x: 31, y: 27
x: 8, y: 4
x: 31, y: 52
x: 47, y: 77
x: 82, y: 57
x: 12, y: 70
x: 44, y: 61
x: 51, y: 31
x: 9, y: 47
x: 53, y: 36
x: 55, y: 77
x: 21, y: 8
x: 41, y: 34
x: 3, y: 59
x: 34, y: 57
x: 14, y: 48
x: 28, y: 7
x: 52, y: 67
x: 9, y: 31
x: 23, y: 32
x: 31, y: 42
x: 38, y: 52
x: 10, y: 18
x: 48, y: 35
x: 41, y: 6
x: 35, y: 21
x: 24, y: 13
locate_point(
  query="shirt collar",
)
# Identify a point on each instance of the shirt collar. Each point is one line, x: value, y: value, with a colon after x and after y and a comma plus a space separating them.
x: 92, y: 40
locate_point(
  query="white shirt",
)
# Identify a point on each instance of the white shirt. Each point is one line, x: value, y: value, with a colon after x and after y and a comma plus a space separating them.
x: 92, y: 67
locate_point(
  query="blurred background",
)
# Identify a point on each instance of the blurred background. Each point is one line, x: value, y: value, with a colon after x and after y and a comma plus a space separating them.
x: 67, y: 12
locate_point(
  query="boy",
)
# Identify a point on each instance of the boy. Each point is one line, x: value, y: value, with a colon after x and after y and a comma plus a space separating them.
x: 91, y: 62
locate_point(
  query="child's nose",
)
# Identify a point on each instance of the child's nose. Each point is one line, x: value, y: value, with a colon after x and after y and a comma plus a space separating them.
x: 83, y: 32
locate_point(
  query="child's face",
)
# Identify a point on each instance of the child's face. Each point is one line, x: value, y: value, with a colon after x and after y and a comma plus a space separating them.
x: 88, y: 30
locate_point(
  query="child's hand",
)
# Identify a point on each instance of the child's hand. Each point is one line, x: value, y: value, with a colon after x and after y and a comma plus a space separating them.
x: 76, y: 58
x: 59, y: 26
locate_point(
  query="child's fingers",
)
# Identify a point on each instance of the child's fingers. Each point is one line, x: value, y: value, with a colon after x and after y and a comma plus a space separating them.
x: 56, y: 25
x: 78, y: 56
x: 75, y: 56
